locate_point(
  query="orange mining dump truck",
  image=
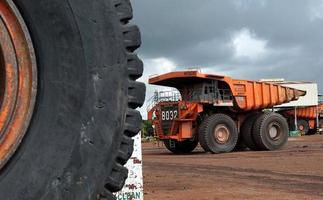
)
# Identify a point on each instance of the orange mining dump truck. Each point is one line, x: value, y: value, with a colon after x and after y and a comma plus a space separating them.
x: 308, y: 119
x: 220, y: 113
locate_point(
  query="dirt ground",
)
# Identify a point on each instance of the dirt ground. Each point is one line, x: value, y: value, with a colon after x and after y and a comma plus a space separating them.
x: 296, y: 172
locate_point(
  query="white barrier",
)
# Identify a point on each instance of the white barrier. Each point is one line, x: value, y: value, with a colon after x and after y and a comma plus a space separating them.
x: 133, y: 189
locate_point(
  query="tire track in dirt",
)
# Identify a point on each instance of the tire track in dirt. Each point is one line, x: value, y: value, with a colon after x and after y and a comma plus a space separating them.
x: 298, y: 183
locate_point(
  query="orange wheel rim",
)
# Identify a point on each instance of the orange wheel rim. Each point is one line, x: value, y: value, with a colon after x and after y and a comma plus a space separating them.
x: 221, y: 133
x: 301, y: 127
x: 18, y: 80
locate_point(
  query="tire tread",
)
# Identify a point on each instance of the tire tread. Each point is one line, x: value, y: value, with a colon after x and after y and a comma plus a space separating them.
x: 136, y: 96
x: 247, y: 130
x: 202, y: 134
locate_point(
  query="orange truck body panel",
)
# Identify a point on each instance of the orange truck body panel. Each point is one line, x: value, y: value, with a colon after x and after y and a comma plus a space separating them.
x: 182, y: 123
x: 306, y: 112
x: 248, y: 95
x: 309, y: 113
x: 181, y: 116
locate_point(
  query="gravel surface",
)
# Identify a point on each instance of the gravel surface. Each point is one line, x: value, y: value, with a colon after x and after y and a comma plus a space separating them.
x: 296, y: 172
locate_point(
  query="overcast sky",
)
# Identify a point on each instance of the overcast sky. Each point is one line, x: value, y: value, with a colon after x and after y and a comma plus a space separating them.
x: 246, y: 39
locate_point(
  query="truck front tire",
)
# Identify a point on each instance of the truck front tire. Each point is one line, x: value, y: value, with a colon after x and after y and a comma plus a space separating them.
x: 219, y: 134
x: 180, y: 147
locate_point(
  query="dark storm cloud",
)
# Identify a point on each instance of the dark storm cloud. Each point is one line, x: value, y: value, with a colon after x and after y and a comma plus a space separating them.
x: 199, y: 33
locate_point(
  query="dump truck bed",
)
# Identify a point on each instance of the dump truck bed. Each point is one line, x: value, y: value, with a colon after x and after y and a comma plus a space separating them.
x: 247, y: 95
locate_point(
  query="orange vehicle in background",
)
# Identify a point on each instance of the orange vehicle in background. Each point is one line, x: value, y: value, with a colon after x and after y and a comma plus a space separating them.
x: 220, y: 113
x: 309, y: 119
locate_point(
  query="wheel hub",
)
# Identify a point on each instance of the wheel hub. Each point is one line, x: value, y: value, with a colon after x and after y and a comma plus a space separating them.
x: 221, y: 133
x: 274, y: 131
x: 18, y: 79
x: 301, y: 127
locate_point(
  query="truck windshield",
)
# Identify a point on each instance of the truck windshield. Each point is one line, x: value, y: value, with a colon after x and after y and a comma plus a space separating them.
x: 208, y: 91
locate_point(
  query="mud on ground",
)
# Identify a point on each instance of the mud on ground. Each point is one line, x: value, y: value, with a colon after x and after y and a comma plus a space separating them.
x: 296, y: 172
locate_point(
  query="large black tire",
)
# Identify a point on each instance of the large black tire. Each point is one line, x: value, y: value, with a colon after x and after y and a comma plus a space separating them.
x: 207, y: 138
x: 270, y: 131
x: 201, y: 134
x: 183, y: 147
x: 84, y: 118
x: 303, y: 126
x: 246, y: 131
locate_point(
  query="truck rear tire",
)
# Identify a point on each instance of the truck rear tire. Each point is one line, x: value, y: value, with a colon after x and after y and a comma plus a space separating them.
x: 303, y: 126
x: 246, y: 131
x: 80, y: 133
x: 219, y: 134
x: 180, y: 147
x: 270, y: 131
